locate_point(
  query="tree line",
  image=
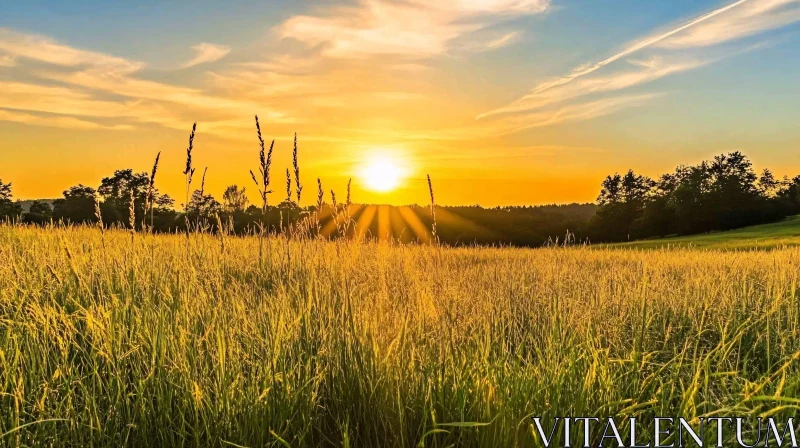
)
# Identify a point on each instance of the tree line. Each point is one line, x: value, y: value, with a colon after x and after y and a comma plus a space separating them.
x: 720, y: 194
x: 122, y: 202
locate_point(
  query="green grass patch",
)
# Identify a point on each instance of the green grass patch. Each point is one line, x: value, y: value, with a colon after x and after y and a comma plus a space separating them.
x: 785, y: 233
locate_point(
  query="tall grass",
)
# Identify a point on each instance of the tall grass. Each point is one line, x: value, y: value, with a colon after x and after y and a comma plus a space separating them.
x: 296, y: 164
x: 150, y: 198
x: 262, y: 183
x: 152, y: 341
x: 189, y: 173
x: 189, y: 170
x: 433, y: 211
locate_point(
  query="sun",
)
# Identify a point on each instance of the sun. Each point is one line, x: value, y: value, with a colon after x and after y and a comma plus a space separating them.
x: 381, y: 173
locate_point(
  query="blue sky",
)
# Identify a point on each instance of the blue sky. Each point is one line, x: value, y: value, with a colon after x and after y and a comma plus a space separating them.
x: 545, y: 95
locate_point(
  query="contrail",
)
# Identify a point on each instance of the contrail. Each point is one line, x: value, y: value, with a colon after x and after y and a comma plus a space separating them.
x: 639, y: 46
x: 630, y: 50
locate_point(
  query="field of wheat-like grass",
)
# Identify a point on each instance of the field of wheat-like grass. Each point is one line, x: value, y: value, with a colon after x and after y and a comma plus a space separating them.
x: 116, y: 339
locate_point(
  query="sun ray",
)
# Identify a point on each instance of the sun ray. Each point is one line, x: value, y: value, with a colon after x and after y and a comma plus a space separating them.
x: 415, y: 224
x: 365, y: 221
x: 384, y: 225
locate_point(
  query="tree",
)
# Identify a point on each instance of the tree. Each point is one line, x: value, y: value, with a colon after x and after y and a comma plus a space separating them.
x: 767, y: 184
x: 735, y: 199
x: 622, y: 200
x: 39, y: 213
x: 116, y: 193
x: 77, y: 205
x: 720, y: 194
x: 611, y: 191
x: 5, y: 191
x: 202, y: 207
x: 234, y: 199
x: 8, y: 208
x: 789, y: 195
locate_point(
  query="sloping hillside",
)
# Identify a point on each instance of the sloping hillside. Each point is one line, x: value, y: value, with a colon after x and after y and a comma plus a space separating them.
x: 765, y: 236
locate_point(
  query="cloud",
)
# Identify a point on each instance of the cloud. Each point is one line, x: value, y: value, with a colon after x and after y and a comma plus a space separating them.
x: 414, y: 28
x: 633, y: 48
x: 752, y: 18
x: 638, y: 72
x: 85, y: 76
x: 205, y: 52
x: 665, y: 53
x: 7, y: 61
x: 56, y: 121
x: 578, y: 112
x: 502, y: 41
x: 44, y: 49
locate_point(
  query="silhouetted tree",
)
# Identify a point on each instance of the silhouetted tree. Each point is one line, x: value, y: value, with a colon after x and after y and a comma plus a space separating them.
x: 77, y: 206
x: 39, y: 213
x: 622, y: 200
x: 234, y: 199
x: 8, y: 208
x: 116, y: 193
x: 720, y: 194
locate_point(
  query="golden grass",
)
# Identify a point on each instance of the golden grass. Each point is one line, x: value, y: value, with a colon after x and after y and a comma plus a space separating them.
x: 162, y: 342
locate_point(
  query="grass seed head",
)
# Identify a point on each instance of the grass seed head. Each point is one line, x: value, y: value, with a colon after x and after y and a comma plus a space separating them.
x: 296, y: 170
x: 320, y: 194
x: 288, y: 186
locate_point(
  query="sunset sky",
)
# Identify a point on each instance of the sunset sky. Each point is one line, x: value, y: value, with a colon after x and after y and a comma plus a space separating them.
x: 503, y: 102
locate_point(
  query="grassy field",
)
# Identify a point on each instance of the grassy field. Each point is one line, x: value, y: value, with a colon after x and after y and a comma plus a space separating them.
x: 766, y: 236
x: 131, y: 340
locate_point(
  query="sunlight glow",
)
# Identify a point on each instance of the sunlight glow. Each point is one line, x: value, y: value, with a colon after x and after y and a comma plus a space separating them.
x: 381, y: 174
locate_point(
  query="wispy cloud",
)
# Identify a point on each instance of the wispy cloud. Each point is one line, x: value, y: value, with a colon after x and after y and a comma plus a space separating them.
x: 205, y: 52
x: 661, y: 54
x: 56, y: 121
x: 636, y: 72
x: 84, y: 76
x: 578, y: 112
x: 633, y: 48
x: 7, y: 61
x: 752, y: 18
x: 44, y: 49
x: 505, y: 39
x: 414, y: 28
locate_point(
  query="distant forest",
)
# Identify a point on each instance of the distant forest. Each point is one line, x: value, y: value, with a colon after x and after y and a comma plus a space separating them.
x: 720, y: 194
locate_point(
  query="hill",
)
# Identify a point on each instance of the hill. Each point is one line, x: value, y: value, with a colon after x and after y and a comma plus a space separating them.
x: 785, y: 233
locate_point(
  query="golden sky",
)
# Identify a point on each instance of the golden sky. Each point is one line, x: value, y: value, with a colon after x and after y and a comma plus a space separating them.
x: 500, y: 101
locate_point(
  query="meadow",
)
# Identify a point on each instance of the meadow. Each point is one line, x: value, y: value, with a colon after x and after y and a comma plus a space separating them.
x: 785, y: 233
x: 120, y: 339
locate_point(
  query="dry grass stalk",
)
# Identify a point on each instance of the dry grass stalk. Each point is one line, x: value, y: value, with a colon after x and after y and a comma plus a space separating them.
x: 348, y: 203
x: 189, y: 172
x: 221, y: 232
x: 131, y: 210
x: 320, y: 194
x: 433, y: 210
x: 288, y: 187
x: 265, y: 161
x: 320, y: 197
x: 99, y: 217
x: 296, y: 170
x: 349, y: 182
x: 150, y: 191
x: 132, y: 214
x: 203, y: 183
x: 98, y: 214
